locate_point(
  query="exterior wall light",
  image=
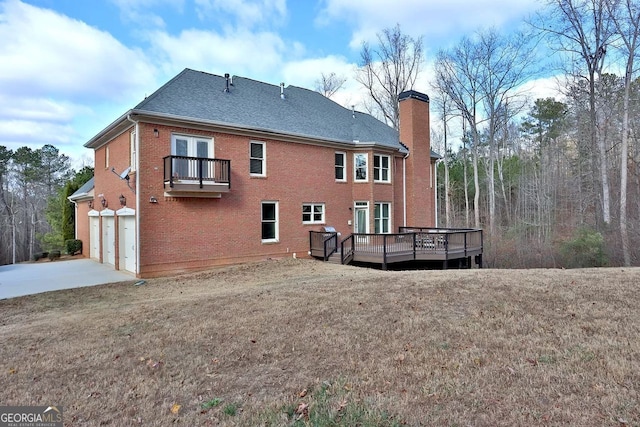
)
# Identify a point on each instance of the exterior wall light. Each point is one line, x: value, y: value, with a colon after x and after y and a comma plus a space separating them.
x: 123, y: 200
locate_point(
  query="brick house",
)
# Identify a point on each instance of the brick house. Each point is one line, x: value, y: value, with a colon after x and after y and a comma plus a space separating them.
x: 212, y: 170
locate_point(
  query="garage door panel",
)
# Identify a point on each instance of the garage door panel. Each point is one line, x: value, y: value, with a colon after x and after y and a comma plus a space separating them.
x: 127, y: 240
x: 109, y: 241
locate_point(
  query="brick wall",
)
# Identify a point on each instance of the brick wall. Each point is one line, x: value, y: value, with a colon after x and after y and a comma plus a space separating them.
x: 415, y: 134
x: 183, y: 233
x: 82, y: 225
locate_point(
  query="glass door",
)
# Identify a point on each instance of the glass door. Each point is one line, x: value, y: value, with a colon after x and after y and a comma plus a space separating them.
x: 361, y: 220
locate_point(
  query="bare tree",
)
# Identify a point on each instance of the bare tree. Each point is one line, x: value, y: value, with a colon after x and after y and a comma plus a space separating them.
x: 582, y: 29
x: 458, y: 74
x: 625, y: 15
x: 390, y: 69
x: 445, y: 108
x: 329, y: 84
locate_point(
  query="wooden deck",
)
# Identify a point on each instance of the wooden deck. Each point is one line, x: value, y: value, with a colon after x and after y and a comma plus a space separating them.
x: 410, y: 244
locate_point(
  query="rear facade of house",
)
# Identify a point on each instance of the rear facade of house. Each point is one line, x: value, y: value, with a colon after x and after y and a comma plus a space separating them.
x: 212, y: 170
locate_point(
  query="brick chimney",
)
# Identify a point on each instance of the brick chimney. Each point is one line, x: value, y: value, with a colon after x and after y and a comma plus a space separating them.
x: 415, y: 133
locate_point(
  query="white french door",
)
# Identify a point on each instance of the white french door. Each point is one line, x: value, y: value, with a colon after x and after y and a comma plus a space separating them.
x: 191, y: 146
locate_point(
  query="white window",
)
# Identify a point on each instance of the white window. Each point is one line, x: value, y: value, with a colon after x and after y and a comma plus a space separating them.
x: 382, y: 217
x: 257, y: 159
x: 360, y: 164
x: 381, y: 168
x: 269, y: 221
x: 313, y: 213
x: 187, y: 150
x: 192, y: 146
x: 341, y: 166
x: 106, y: 157
x: 132, y: 149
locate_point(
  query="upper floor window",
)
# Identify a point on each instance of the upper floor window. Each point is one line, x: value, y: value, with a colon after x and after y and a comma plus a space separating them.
x: 269, y: 222
x: 360, y: 166
x: 381, y: 168
x: 313, y: 213
x: 341, y: 163
x: 106, y: 156
x: 257, y: 159
x: 132, y: 150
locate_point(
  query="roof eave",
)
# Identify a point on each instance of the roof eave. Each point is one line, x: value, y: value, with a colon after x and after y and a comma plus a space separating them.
x: 139, y: 114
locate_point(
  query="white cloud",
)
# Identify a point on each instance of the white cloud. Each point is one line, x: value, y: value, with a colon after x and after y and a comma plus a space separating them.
x: 50, y: 55
x: 547, y: 87
x: 139, y: 11
x: 431, y: 18
x: 243, y: 53
x: 35, y: 133
x: 243, y: 13
x: 57, y: 71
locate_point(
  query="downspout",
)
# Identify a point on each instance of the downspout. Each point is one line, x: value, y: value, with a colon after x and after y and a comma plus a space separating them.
x: 404, y: 189
x: 436, y: 190
x: 137, y: 144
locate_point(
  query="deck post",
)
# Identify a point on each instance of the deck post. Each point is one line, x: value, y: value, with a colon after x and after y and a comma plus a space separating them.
x: 414, y: 245
x: 384, y: 252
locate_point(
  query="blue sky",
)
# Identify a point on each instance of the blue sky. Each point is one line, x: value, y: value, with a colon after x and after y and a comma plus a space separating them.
x: 71, y: 67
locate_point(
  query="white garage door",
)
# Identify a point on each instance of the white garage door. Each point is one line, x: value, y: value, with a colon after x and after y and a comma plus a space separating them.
x: 94, y: 237
x: 109, y: 241
x: 127, y: 239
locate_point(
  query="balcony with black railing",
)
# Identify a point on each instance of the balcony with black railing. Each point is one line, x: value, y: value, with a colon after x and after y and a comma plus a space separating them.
x: 196, y: 176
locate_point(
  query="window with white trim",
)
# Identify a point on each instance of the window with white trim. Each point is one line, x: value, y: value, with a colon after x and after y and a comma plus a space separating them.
x: 381, y: 168
x: 382, y: 217
x: 269, y: 222
x: 313, y: 213
x: 106, y: 157
x: 132, y: 150
x: 257, y: 159
x: 341, y: 166
x: 360, y: 165
x: 185, y: 148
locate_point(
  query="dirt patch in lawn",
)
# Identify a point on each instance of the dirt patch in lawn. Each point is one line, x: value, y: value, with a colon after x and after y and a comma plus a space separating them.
x: 290, y: 342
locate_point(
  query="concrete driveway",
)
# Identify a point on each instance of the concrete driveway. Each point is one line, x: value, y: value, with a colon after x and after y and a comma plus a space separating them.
x: 27, y: 279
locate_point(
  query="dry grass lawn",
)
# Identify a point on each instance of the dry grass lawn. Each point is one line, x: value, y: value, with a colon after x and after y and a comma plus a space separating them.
x: 295, y: 342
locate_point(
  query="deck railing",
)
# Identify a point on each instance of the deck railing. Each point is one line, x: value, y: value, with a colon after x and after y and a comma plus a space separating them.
x: 323, y: 243
x: 197, y: 169
x: 411, y: 243
x: 346, y: 250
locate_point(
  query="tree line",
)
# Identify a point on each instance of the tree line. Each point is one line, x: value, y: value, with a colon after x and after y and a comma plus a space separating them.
x: 35, y: 213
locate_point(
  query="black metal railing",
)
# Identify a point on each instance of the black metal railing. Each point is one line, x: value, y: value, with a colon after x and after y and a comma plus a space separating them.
x: 323, y: 243
x: 409, y: 243
x: 200, y: 170
x: 346, y: 250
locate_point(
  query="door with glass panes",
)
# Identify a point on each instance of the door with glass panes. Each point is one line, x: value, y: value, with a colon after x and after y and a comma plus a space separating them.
x: 188, y: 149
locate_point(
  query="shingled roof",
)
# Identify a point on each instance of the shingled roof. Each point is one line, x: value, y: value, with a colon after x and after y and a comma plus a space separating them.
x: 251, y: 104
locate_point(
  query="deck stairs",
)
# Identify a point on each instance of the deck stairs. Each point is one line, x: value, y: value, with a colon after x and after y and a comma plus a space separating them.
x: 336, y: 257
